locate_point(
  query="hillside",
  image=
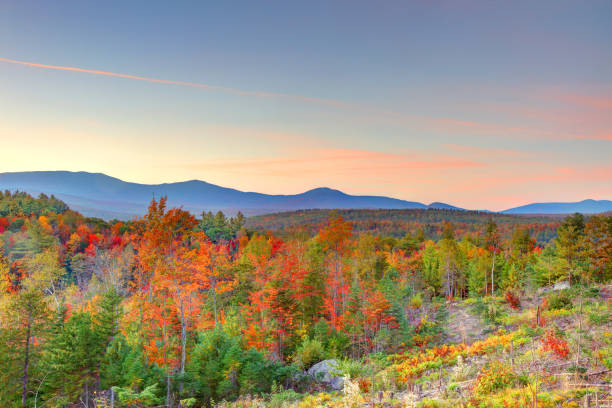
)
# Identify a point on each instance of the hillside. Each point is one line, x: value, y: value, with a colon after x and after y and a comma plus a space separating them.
x: 397, y: 223
x: 177, y: 311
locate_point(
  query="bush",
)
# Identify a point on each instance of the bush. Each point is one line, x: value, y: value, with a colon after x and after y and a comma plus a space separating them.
x: 599, y: 319
x: 416, y: 301
x: 513, y: 300
x: 497, y: 376
x: 282, y: 398
x: 309, y: 352
x: 334, y: 342
x: 557, y: 301
x: 352, y: 368
x: 146, y: 398
x: 493, y: 314
x: 553, y: 343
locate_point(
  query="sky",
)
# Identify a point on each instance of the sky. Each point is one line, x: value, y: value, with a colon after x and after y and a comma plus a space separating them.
x: 481, y: 104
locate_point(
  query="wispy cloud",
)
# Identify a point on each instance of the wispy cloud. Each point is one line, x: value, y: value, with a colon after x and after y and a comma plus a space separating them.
x: 488, y: 152
x: 375, y: 113
x: 209, y: 87
x: 356, y: 163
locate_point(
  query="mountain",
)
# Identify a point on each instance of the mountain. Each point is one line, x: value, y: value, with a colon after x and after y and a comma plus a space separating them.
x: 585, y: 207
x: 443, y: 206
x: 96, y: 194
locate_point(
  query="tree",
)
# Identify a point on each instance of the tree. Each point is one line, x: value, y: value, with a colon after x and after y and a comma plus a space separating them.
x: 449, y: 260
x: 72, y: 359
x: 335, y: 240
x: 571, y: 243
x: 598, y: 231
x: 492, y: 242
x: 165, y: 289
x: 25, y: 317
x: 430, y: 268
x: 222, y: 369
x: 261, y: 326
x: 44, y: 272
x: 210, y: 264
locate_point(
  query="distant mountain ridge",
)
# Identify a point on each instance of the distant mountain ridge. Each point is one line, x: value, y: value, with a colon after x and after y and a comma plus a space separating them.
x: 96, y: 194
x: 99, y: 195
x: 585, y: 206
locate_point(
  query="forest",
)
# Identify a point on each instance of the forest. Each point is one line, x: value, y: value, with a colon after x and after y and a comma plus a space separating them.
x: 433, y: 308
x: 397, y: 223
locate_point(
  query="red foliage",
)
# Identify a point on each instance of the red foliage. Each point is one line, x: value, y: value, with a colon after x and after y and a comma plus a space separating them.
x: 513, y: 300
x: 4, y: 223
x: 364, y: 384
x: 556, y: 345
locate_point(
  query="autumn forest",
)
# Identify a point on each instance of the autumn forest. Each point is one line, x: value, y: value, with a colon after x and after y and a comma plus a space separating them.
x: 176, y: 310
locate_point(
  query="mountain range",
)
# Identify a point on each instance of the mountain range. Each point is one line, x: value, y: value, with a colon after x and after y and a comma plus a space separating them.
x: 585, y: 206
x: 99, y: 195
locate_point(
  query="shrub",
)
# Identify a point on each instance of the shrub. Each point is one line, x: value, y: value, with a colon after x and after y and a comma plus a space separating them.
x: 497, y: 376
x: 334, y: 342
x: 416, y: 301
x: 599, y: 319
x: 513, y: 300
x: 309, y: 352
x: 557, y: 301
x: 352, y: 368
x: 494, y: 314
x: 282, y: 398
x: 554, y: 344
x: 146, y: 398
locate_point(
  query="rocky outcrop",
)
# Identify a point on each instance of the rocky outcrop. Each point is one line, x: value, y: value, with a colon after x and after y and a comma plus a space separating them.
x: 327, y: 372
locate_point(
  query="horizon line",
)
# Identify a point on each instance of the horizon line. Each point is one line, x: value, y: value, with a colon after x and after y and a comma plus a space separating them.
x: 309, y: 190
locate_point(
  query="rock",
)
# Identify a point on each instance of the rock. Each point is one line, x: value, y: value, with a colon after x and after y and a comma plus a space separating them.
x: 557, y: 286
x: 561, y: 285
x: 326, y: 372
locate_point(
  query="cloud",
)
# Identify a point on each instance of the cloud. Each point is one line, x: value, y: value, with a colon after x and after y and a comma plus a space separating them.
x: 354, y: 163
x: 208, y: 87
x: 488, y: 152
x: 373, y: 113
x: 603, y: 102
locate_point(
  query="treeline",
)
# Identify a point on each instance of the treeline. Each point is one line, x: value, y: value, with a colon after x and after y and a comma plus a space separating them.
x: 155, y: 312
x: 397, y: 223
x: 20, y: 203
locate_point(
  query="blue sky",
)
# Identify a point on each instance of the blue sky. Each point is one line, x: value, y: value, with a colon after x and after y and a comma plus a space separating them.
x: 480, y: 104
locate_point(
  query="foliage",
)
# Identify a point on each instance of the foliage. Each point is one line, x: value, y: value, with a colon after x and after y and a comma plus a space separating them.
x: 145, y: 398
x: 221, y: 368
x: 493, y: 378
x: 551, y: 342
x: 20, y: 203
x: 309, y: 352
x: 512, y: 299
x: 559, y: 300
x: 170, y: 308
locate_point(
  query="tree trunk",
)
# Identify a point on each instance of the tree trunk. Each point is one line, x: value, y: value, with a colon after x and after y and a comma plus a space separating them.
x: 214, y: 296
x: 486, y: 289
x: 168, y: 389
x: 26, y: 362
x: 183, y: 345
x: 448, y: 280
x: 493, y: 274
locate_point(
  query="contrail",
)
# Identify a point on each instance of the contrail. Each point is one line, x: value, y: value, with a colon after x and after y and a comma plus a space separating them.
x: 402, y: 118
x: 208, y: 87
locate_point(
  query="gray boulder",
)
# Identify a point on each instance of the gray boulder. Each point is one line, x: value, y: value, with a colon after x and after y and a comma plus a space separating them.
x: 326, y: 372
x: 557, y: 286
x: 561, y: 285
